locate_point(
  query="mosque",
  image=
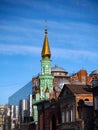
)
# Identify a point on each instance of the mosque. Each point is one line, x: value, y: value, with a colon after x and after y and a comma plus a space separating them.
x: 53, y: 98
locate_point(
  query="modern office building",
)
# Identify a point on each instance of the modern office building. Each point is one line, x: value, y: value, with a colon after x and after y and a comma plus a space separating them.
x: 14, y: 116
x: 21, y: 94
x: 21, y: 105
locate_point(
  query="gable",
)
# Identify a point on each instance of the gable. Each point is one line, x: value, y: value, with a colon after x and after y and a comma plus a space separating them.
x: 71, y: 89
x: 66, y: 92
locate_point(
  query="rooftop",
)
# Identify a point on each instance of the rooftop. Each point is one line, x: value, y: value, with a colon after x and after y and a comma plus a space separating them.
x: 95, y: 72
x: 58, y: 69
x: 77, y: 89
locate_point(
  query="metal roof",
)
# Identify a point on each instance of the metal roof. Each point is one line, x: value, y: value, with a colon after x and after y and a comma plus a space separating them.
x: 58, y: 69
x: 61, y: 83
x: 76, y: 82
x: 94, y: 72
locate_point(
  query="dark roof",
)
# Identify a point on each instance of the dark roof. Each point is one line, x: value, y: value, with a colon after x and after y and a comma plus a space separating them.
x: 77, y: 89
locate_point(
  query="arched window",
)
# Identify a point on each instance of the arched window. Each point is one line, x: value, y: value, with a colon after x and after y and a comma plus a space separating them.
x: 86, y: 99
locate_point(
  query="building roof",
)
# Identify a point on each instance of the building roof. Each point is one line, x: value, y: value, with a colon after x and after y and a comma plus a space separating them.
x: 61, y: 83
x: 94, y: 72
x: 77, y: 89
x: 58, y: 69
x: 76, y: 82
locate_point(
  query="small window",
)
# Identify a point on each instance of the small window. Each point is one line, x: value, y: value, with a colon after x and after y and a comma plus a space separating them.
x: 86, y: 99
x: 96, y: 102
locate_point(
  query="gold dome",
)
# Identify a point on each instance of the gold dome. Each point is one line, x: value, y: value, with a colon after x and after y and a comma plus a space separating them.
x: 46, y: 50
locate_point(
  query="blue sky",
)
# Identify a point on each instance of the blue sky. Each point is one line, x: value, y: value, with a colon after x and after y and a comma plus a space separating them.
x: 72, y: 33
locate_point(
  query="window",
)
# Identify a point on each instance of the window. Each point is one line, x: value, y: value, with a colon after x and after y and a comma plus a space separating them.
x: 67, y: 116
x: 86, y: 99
x: 83, y: 79
x: 96, y: 102
x: 73, y: 115
x: 63, y: 117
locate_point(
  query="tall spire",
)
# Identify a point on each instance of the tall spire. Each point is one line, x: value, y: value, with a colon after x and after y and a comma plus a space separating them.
x: 46, y: 50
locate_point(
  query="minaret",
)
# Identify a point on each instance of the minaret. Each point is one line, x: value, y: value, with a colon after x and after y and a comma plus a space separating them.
x: 46, y: 79
x: 46, y: 49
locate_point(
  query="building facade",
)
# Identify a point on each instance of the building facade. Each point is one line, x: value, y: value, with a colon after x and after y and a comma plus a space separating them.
x: 21, y: 106
x: 21, y: 94
x: 5, y: 120
x: 95, y: 99
x: 74, y: 114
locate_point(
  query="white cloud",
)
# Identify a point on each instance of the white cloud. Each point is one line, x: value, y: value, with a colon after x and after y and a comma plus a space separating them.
x: 74, y: 54
x: 61, y: 31
x: 56, y: 52
x: 19, y: 50
x: 77, y: 35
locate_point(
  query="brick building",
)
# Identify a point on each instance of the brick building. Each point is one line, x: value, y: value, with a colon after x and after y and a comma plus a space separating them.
x: 75, y: 104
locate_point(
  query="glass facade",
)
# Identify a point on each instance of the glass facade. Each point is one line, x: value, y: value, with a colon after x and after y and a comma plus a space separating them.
x: 21, y: 94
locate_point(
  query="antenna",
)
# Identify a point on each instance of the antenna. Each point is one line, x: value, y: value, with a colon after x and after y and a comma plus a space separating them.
x: 46, y: 28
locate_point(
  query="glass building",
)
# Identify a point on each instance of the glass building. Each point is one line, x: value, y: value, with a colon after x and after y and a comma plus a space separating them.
x: 21, y: 94
x: 21, y: 105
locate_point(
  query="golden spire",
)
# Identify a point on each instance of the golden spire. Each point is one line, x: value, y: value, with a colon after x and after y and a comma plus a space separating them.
x: 46, y: 50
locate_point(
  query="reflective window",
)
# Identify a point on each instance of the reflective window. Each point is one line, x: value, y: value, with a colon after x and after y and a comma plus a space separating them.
x: 21, y: 94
